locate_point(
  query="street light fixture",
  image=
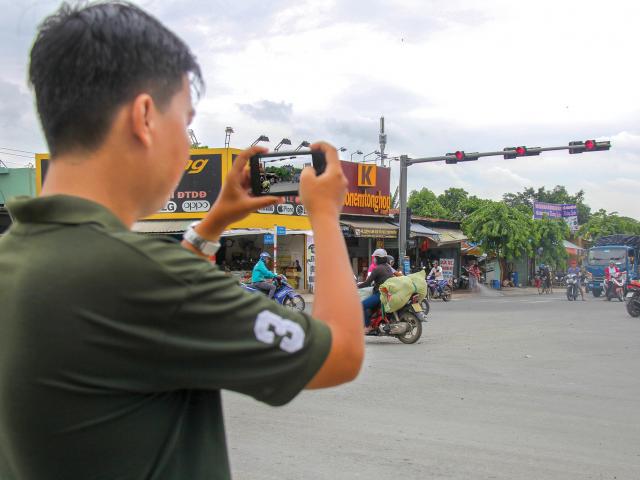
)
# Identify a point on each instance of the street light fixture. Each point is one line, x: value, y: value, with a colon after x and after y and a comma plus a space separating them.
x: 284, y: 141
x: 227, y: 136
x: 376, y: 152
x: 261, y: 138
x: 357, y: 152
x: 303, y: 144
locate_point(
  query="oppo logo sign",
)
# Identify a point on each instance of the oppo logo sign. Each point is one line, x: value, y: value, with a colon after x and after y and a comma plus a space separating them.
x: 196, y: 206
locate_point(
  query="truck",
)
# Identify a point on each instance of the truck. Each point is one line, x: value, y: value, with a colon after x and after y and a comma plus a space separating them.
x: 623, y: 250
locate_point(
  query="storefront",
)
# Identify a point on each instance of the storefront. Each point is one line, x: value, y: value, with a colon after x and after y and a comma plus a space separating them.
x: 366, y: 224
x: 363, y: 235
x: 436, y: 239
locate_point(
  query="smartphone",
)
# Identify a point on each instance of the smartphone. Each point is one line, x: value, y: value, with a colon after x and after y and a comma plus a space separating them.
x: 278, y: 173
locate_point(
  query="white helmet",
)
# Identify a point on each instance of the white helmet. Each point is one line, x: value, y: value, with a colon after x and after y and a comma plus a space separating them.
x: 379, y: 252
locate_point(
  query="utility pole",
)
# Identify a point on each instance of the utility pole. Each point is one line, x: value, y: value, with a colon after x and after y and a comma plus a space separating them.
x: 461, y: 156
x: 383, y: 141
x: 402, y: 241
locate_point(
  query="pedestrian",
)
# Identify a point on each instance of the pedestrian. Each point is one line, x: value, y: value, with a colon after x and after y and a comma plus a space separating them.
x: 114, y: 345
x: 474, y: 277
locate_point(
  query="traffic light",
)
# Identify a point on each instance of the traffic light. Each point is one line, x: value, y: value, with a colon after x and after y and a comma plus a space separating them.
x: 589, y: 146
x: 461, y: 156
x: 509, y: 153
x: 513, y: 152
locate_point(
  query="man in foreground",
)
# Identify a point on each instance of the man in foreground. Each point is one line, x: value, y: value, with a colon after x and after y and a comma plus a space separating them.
x: 114, y: 346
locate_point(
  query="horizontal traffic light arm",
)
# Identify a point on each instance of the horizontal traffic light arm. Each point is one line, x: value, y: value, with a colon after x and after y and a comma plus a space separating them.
x: 476, y: 155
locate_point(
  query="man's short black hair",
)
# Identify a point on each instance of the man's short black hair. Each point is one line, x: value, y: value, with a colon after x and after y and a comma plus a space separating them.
x: 89, y: 60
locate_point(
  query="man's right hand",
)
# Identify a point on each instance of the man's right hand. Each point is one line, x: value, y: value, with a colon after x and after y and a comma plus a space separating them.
x: 324, y: 193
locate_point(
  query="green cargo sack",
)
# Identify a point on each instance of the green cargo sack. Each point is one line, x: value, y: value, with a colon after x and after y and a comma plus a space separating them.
x: 396, y: 291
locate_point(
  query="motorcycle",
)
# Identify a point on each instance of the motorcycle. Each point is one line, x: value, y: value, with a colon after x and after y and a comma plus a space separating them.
x: 285, y: 294
x: 573, y: 290
x: 633, y: 298
x: 463, y: 282
x: 405, y: 324
x: 615, y: 286
x: 438, y: 289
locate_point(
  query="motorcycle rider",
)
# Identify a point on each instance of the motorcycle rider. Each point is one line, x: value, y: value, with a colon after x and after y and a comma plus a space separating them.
x: 390, y: 262
x: 436, y: 272
x: 609, y: 273
x: 261, y: 274
x: 575, y: 270
x: 381, y: 273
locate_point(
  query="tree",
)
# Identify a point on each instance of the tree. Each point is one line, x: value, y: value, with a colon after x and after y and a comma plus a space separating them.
x: 548, y: 236
x: 500, y: 230
x: 602, y: 223
x: 452, y: 200
x: 425, y: 203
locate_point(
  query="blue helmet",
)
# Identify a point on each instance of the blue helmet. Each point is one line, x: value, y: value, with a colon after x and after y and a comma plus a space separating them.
x: 264, y: 255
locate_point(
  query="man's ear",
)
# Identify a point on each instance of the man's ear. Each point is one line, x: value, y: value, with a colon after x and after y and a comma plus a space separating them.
x: 143, y: 113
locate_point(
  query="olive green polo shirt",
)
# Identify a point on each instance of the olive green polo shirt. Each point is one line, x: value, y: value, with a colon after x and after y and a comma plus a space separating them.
x: 114, y: 347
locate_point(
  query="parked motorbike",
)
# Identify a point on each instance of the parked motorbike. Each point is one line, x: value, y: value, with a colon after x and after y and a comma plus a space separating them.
x: 462, y: 282
x: 405, y: 324
x: 285, y: 294
x: 439, y: 289
x: 615, y: 286
x: 633, y: 298
x: 572, y: 287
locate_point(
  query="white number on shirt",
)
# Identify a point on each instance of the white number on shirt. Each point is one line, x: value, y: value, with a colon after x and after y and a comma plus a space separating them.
x: 269, y: 326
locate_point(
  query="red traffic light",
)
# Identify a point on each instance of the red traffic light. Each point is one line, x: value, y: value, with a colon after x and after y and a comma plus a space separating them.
x: 589, y: 146
x: 521, y: 151
x: 459, y: 155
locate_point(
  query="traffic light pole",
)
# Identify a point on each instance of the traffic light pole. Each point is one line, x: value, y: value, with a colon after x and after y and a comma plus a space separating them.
x: 406, y: 162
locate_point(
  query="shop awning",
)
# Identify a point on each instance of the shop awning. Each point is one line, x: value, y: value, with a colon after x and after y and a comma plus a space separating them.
x: 179, y: 226
x: 161, y: 226
x: 371, y: 228
x: 422, y: 231
x: 469, y: 248
x: 572, y: 248
x: 450, y: 236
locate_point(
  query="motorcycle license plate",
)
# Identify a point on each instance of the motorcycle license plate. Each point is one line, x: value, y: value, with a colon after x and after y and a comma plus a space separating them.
x: 630, y: 294
x: 416, y: 307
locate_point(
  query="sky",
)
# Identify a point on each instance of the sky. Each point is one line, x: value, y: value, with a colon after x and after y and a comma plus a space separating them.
x: 446, y: 75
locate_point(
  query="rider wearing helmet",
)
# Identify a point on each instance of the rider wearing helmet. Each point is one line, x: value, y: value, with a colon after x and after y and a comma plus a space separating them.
x: 381, y: 273
x: 261, y: 274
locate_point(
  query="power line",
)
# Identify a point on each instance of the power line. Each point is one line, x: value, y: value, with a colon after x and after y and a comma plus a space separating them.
x: 16, y: 150
x: 12, y: 163
x: 16, y: 154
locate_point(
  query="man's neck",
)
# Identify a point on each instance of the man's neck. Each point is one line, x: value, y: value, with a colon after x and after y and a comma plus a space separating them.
x: 94, y: 178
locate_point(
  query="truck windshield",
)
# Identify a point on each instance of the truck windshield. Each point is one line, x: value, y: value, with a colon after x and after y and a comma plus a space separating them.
x: 602, y: 256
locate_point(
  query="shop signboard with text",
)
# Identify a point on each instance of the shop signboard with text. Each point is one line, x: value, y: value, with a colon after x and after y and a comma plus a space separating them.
x: 447, y: 265
x: 195, y: 193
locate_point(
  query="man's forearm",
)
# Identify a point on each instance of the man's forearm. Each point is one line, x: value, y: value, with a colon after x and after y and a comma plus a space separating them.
x: 336, y: 298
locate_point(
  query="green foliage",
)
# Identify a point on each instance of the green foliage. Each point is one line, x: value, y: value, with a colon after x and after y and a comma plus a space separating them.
x: 548, y: 236
x: 603, y: 223
x: 425, y: 204
x: 501, y: 230
x: 452, y: 201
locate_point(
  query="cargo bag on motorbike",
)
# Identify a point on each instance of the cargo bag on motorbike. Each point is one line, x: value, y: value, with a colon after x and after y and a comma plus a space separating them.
x: 397, y: 291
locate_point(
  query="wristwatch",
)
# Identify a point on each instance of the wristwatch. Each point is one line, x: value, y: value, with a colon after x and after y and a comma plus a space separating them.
x: 203, y: 245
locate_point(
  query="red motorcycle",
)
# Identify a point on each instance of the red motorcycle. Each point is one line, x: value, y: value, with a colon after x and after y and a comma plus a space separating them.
x: 405, y: 324
x: 633, y: 298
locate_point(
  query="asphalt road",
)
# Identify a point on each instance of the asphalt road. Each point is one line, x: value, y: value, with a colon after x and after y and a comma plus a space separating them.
x: 524, y: 387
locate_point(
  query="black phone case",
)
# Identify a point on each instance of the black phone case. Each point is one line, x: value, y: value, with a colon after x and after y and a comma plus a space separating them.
x: 318, y: 160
